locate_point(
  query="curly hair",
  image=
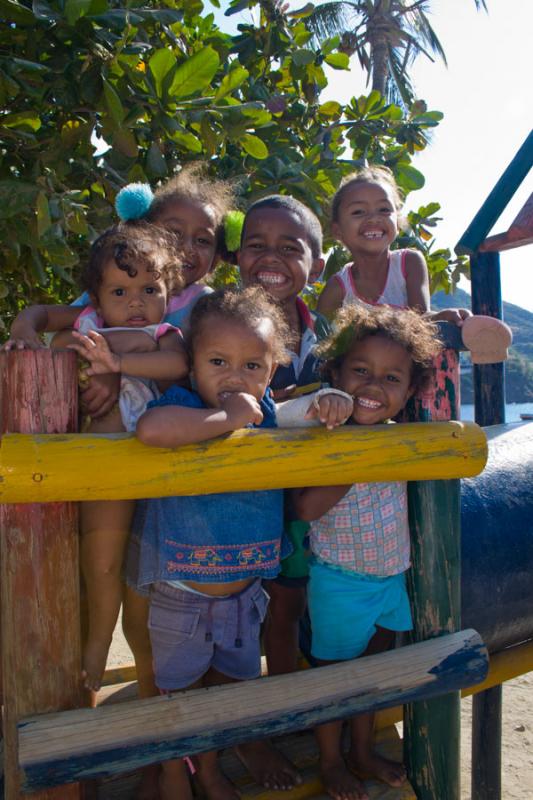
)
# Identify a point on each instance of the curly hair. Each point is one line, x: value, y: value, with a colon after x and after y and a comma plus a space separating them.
x: 193, y: 183
x: 132, y: 245
x: 354, y: 323
x: 248, y: 307
x: 370, y: 174
x: 305, y: 216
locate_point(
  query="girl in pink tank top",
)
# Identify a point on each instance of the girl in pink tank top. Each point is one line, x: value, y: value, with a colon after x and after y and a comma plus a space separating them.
x: 365, y: 219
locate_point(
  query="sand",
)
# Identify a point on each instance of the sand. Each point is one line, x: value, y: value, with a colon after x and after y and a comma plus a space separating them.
x: 517, y: 731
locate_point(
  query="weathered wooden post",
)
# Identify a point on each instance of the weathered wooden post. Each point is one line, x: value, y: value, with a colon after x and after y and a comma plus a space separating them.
x: 432, y: 727
x: 40, y: 623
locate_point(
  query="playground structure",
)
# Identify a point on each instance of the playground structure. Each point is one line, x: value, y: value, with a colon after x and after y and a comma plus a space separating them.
x: 40, y: 593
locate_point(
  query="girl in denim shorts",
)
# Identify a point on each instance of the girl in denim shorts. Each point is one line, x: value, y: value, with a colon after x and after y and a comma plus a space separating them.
x: 204, y: 557
x: 359, y: 533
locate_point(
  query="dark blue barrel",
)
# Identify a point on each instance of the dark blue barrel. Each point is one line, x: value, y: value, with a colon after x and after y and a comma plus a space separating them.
x: 497, y: 540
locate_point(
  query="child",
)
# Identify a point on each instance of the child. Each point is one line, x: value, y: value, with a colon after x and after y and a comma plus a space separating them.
x: 131, y: 272
x: 364, y: 215
x: 281, y: 250
x: 207, y: 603
x: 359, y: 534
x: 194, y: 207
x: 191, y: 206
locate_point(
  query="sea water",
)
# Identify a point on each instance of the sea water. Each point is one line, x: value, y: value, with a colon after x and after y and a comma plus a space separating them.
x: 512, y: 411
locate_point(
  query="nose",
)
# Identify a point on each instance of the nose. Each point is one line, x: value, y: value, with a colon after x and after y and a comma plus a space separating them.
x: 187, y: 244
x: 270, y: 255
x: 136, y: 299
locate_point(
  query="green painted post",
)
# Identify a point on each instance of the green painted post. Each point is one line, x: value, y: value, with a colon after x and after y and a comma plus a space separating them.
x: 432, y: 728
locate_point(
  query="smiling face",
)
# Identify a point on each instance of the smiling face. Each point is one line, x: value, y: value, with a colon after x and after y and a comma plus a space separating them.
x: 126, y: 302
x: 230, y: 357
x: 377, y: 372
x: 194, y: 226
x: 276, y: 253
x: 367, y: 218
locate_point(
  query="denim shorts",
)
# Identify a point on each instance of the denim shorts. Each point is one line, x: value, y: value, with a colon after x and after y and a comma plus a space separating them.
x: 346, y: 608
x: 191, y: 632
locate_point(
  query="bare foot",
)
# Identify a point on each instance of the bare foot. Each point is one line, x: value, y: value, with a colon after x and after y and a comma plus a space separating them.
x: 94, y: 661
x: 174, y: 782
x: 268, y: 767
x: 375, y: 766
x: 148, y: 788
x: 214, y: 784
x: 340, y: 783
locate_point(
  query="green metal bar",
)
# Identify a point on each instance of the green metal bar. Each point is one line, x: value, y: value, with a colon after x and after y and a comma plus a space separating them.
x: 497, y: 200
x: 432, y: 727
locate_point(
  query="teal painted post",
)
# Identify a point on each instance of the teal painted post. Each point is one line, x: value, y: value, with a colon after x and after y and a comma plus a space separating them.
x: 489, y: 396
x: 432, y: 727
x: 497, y: 200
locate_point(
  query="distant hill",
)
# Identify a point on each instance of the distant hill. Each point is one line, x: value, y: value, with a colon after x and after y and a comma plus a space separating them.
x: 519, y: 367
x: 519, y: 320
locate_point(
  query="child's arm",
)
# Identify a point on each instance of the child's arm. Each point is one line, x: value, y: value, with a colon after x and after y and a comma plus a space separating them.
x: 331, y: 298
x: 331, y: 407
x: 418, y: 297
x: 174, y: 426
x: 313, y: 502
x: 129, y: 341
x: 34, y: 320
x: 417, y: 281
x: 169, y: 362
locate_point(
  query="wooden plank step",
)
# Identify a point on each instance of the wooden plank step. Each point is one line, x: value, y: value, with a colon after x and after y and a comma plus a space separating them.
x: 302, y: 751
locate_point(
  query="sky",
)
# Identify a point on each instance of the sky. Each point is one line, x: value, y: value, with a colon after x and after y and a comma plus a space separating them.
x: 486, y: 95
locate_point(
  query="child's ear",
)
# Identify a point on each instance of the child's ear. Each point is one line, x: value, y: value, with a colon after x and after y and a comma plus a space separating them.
x: 214, y: 263
x: 94, y: 301
x: 316, y: 270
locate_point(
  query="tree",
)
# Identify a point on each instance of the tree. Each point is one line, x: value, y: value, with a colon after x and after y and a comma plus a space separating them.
x: 96, y: 95
x: 386, y: 35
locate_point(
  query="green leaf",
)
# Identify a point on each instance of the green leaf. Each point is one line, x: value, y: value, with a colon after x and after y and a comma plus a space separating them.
x: 303, y: 57
x: 26, y: 120
x: 113, y: 103
x: 194, y: 74
x: 155, y: 161
x: 43, y: 214
x: 209, y: 136
x: 160, y: 65
x: 17, y: 13
x: 75, y: 9
x: 188, y: 141
x: 254, y: 146
x: 28, y: 66
x: 330, y: 109
x: 126, y: 142
x: 44, y: 11
x: 329, y: 45
x: 408, y: 177
x: 16, y: 197
x: 338, y: 60
x: 231, y: 81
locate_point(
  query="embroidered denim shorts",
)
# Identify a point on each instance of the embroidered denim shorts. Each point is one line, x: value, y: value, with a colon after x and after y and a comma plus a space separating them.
x: 191, y: 633
x: 345, y: 610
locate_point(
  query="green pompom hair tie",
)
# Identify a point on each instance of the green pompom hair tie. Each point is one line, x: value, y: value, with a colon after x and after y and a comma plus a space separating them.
x: 233, y: 224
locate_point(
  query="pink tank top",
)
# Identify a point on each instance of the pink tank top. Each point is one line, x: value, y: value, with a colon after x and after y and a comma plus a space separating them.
x: 394, y: 293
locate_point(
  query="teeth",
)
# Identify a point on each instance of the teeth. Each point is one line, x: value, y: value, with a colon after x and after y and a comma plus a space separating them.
x: 373, y: 235
x: 271, y: 278
x: 366, y: 402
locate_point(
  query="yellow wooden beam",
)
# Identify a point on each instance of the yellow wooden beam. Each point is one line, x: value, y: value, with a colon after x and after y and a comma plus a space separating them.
x: 40, y: 468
